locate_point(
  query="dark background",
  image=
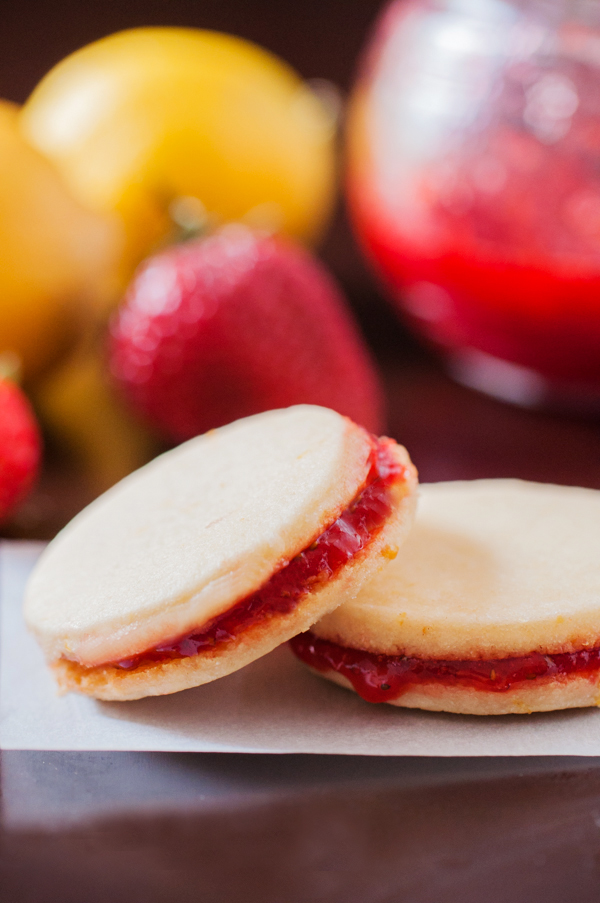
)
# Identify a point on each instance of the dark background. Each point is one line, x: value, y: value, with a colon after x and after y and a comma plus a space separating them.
x: 320, y: 39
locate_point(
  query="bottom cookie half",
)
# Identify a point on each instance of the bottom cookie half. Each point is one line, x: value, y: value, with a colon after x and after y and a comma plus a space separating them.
x: 574, y: 691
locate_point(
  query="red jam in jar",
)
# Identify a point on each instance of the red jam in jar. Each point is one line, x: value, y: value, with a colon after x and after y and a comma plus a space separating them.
x: 475, y: 186
x: 345, y: 538
x: 382, y: 678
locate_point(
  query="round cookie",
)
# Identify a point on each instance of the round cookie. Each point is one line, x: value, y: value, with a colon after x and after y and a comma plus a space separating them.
x: 176, y: 576
x: 492, y: 605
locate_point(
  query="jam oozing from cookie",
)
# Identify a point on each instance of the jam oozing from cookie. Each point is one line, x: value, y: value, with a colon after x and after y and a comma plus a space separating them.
x: 345, y: 538
x: 383, y: 678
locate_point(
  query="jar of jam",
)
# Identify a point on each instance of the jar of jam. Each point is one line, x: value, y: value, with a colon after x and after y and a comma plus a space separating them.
x: 474, y: 186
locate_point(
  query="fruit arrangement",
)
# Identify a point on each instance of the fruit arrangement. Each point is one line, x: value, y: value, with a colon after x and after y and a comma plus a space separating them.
x: 206, y: 164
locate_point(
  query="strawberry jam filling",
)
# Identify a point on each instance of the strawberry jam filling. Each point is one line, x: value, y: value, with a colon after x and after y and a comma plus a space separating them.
x: 342, y: 541
x: 382, y: 678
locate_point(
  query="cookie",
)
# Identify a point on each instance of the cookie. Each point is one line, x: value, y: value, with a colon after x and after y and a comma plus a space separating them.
x: 492, y: 606
x: 218, y: 551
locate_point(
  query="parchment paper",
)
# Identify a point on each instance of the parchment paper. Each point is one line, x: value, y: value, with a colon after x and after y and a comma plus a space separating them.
x: 272, y: 706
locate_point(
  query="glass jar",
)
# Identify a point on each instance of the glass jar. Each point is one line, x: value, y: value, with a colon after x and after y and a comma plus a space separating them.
x: 474, y: 185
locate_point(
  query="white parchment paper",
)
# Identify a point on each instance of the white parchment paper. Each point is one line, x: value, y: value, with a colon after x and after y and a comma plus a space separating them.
x: 273, y: 706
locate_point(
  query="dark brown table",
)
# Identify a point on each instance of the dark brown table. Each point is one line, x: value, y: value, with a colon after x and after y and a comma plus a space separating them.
x: 134, y: 828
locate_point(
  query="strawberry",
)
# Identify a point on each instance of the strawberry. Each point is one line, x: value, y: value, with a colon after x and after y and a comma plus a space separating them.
x: 20, y: 446
x: 235, y: 324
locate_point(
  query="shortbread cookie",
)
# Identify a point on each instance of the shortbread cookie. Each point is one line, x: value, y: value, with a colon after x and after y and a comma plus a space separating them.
x: 216, y: 552
x: 492, y: 605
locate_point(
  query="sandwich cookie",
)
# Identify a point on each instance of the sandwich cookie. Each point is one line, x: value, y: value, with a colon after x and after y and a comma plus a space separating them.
x: 218, y: 551
x: 491, y: 607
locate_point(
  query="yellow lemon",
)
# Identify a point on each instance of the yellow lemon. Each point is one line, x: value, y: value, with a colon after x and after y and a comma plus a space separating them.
x: 172, y: 127
x: 52, y: 252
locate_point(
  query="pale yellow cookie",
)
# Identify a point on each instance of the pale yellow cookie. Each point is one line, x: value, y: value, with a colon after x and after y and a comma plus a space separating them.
x: 492, y: 570
x: 184, y: 539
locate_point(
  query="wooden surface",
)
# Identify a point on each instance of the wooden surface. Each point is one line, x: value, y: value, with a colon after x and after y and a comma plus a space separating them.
x: 133, y: 828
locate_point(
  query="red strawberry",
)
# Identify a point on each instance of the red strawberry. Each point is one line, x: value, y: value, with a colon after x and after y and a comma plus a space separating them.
x: 235, y: 324
x: 20, y: 446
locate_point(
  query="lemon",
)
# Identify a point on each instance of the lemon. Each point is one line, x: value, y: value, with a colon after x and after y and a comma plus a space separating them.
x: 176, y: 128
x: 53, y: 252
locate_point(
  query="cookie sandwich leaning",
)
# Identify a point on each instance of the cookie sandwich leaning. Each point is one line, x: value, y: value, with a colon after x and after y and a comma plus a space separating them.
x: 218, y: 551
x: 491, y: 607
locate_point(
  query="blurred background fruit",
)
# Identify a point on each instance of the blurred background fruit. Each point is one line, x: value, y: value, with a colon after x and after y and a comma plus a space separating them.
x: 235, y: 324
x: 89, y: 422
x: 53, y: 254
x: 175, y: 128
x: 20, y: 443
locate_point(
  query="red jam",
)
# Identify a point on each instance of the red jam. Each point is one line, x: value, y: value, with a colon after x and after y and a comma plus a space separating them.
x: 489, y: 234
x: 347, y: 536
x: 382, y: 678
